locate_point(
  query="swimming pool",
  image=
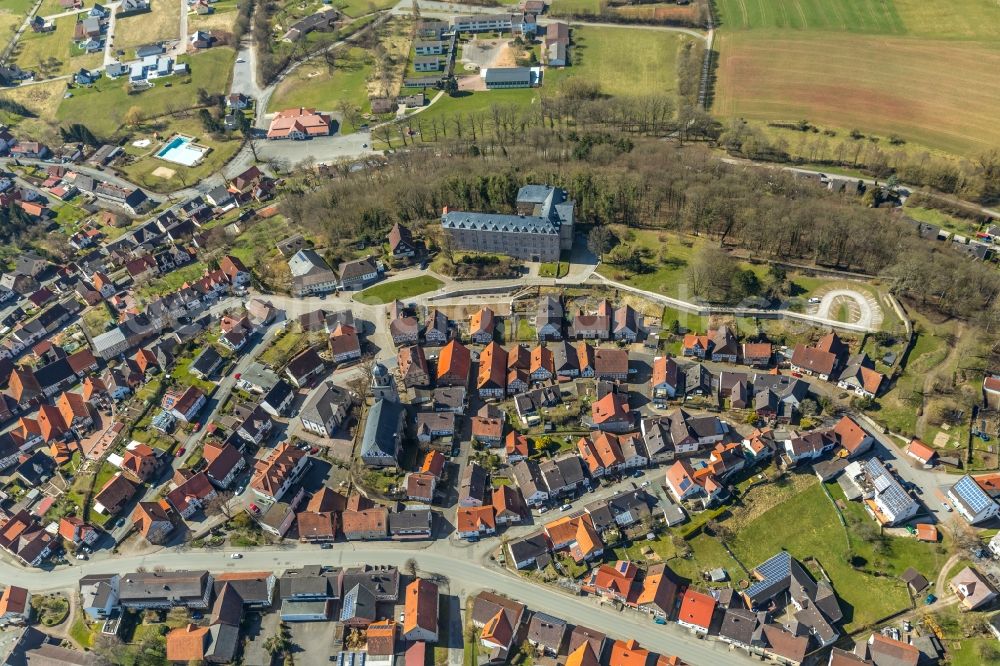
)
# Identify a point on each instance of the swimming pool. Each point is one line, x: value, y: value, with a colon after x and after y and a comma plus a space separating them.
x: 182, y: 150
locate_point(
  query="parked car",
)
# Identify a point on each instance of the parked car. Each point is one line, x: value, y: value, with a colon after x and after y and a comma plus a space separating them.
x: 326, y: 546
x: 236, y: 556
x: 815, y: 300
x: 181, y: 451
x: 566, y: 507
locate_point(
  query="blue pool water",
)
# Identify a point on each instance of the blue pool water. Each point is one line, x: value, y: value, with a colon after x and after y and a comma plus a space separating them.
x: 176, y: 142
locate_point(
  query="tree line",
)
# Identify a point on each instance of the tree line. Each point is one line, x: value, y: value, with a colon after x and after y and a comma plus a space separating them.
x: 767, y: 214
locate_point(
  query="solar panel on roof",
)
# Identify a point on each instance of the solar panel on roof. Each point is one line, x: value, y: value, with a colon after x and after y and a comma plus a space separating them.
x: 972, y: 494
x: 882, y: 482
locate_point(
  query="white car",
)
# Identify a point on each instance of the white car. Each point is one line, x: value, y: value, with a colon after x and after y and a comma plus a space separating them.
x: 815, y: 300
x: 236, y: 556
x: 81, y: 556
x: 566, y: 507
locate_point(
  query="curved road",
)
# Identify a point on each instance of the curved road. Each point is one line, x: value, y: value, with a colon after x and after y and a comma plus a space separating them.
x: 866, y: 318
x: 466, y: 574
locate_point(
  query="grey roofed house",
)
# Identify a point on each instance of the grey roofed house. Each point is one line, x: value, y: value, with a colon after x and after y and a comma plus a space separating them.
x: 472, y: 485
x: 257, y: 591
x: 206, y: 362
x: 323, y: 404
x: 915, y: 580
x: 547, y: 632
x: 742, y: 627
x: 382, y: 581
x: 509, y: 76
x: 307, y: 262
x: 527, y: 549
x: 449, y: 398
x: 381, y: 439
x: 697, y: 379
x: 565, y: 358
x: 549, y: 318
x: 412, y: 521
x: 818, y: 607
x: 563, y: 473
x: 528, y: 477
x: 310, y: 582
x: 357, y: 270
x: 435, y: 424
x: 259, y: 377
x: 164, y: 589
x: 357, y: 604
x: 324, y: 320
x: 275, y: 399
x: 601, y: 515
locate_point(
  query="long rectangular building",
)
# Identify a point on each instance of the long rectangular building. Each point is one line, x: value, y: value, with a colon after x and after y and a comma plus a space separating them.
x: 541, y: 230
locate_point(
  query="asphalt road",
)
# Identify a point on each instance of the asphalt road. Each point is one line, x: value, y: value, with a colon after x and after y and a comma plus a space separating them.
x: 467, y: 574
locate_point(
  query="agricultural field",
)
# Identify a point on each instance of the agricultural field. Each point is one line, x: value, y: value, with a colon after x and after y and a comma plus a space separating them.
x: 41, y: 99
x: 161, y: 23
x: 850, y: 15
x: 866, y: 82
x: 103, y: 106
x: 53, y: 53
x: 10, y: 17
x: 858, y: 64
x: 623, y: 61
x: 312, y: 84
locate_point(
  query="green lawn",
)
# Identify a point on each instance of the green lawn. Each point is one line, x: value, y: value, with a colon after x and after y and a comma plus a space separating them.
x: 625, y: 62
x: 283, y: 348
x: 172, y: 281
x: 398, y: 290
x: 142, y: 170
x: 939, y: 218
x: 807, y: 526
x: 553, y: 269
x: 312, y: 84
x: 671, y: 255
x: 35, y: 48
x: 471, y: 102
x: 574, y: 7
x: 355, y: 8
x: 103, y: 106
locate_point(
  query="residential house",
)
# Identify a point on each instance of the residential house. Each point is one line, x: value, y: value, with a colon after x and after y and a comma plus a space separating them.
x: 401, y: 243
x: 973, y: 589
x: 454, y: 364
x: 152, y: 520
x: 274, y: 475
x: 420, y: 611
x: 549, y: 318
x: 326, y: 409
x: 357, y: 273
x: 413, y: 368
x: 304, y: 367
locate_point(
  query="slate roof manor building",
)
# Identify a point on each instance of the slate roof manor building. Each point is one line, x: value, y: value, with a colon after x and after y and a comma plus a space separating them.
x: 541, y: 229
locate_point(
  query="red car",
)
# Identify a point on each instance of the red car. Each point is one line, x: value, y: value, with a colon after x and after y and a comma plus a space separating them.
x: 237, y: 376
x: 181, y: 451
x: 314, y: 450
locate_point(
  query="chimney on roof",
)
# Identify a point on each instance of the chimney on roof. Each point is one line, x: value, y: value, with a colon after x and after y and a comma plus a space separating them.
x: 444, y: 211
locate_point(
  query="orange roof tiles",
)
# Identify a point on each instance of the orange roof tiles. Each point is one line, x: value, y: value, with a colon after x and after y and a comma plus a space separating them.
x: 697, y: 609
x: 849, y: 434
x: 498, y: 630
x: 13, y: 600
x: 919, y: 450
x: 541, y: 358
x: 472, y: 518
x: 612, y: 407
x: 420, y: 606
x: 454, y: 362
x: 516, y: 444
x: 187, y: 643
x: 927, y: 532
x: 628, y: 653
x: 492, y: 367
x: 583, y: 655
x: 433, y: 463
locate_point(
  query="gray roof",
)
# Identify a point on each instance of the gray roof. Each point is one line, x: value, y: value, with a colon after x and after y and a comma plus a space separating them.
x: 508, y: 74
x: 307, y: 262
x: 172, y: 586
x: 381, y: 429
x: 321, y: 405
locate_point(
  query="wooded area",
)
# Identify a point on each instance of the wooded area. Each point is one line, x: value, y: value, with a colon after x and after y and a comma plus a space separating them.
x: 653, y: 184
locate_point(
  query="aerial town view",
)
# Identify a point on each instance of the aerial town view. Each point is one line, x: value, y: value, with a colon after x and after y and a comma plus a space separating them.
x: 542, y: 333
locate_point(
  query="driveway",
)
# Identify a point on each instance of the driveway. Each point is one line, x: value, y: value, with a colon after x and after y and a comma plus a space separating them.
x: 314, y: 643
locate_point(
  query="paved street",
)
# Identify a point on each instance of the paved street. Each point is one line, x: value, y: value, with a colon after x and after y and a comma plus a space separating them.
x: 464, y: 568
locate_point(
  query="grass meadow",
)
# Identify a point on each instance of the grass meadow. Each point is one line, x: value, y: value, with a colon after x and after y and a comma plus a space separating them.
x: 624, y: 61
x: 162, y: 22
